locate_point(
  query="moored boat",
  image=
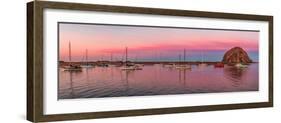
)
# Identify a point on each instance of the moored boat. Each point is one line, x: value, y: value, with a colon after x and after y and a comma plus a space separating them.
x: 87, y: 65
x: 102, y: 65
x: 239, y: 65
x: 70, y: 66
x: 170, y: 65
x: 182, y: 66
x: 130, y: 66
x: 135, y: 67
x: 219, y: 65
x: 202, y: 64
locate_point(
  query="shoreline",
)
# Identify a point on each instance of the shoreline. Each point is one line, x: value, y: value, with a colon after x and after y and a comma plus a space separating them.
x: 61, y: 63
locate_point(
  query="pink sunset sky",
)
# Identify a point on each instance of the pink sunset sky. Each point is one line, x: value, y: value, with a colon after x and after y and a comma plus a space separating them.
x: 147, y: 43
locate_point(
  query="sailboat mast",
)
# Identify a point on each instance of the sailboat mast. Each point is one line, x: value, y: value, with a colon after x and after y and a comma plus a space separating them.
x: 201, y: 57
x: 87, y: 56
x: 111, y: 57
x: 184, y: 55
x: 126, y: 55
x: 69, y: 51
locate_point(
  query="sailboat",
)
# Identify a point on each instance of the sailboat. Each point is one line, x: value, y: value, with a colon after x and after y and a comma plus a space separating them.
x: 111, y: 61
x: 102, y: 63
x: 70, y: 66
x: 239, y: 65
x: 87, y: 65
x: 183, y: 66
x: 202, y: 64
x: 130, y: 66
x: 138, y: 65
x: 169, y: 65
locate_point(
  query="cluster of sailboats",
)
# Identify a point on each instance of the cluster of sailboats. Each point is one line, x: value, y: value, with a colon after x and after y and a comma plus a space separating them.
x: 77, y: 67
x: 130, y: 66
x: 181, y: 65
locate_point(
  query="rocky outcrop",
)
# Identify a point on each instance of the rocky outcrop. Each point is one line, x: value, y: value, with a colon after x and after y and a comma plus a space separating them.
x: 236, y: 55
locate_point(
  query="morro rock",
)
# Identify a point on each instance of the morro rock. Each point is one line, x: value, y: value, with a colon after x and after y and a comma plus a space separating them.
x: 236, y: 55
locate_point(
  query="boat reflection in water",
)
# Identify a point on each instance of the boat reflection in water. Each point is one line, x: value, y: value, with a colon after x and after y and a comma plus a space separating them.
x: 112, y: 81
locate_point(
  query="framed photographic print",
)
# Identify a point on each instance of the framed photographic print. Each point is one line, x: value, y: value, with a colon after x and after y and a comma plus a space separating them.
x: 96, y: 61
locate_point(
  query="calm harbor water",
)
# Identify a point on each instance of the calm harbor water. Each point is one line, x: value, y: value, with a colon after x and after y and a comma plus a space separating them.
x: 155, y: 79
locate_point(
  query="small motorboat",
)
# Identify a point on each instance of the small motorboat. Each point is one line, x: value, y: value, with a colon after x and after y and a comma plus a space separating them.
x: 219, y: 65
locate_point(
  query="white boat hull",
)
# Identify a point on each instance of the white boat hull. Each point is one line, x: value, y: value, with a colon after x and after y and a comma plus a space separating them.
x: 182, y: 67
x: 131, y: 68
x: 241, y: 66
x: 202, y: 65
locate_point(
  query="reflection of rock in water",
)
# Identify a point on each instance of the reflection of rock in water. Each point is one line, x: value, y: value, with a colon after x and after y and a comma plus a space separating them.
x: 235, y: 75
